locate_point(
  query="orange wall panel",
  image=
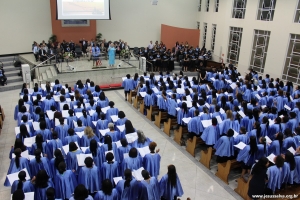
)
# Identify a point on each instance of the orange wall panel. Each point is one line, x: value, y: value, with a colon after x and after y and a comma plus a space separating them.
x: 71, y: 33
x: 170, y: 35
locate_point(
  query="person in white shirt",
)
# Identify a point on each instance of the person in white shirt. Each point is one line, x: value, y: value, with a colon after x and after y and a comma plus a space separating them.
x: 150, y: 46
x: 36, y: 52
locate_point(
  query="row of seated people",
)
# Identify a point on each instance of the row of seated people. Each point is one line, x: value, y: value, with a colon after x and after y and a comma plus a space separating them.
x: 97, y: 151
x: 243, y: 119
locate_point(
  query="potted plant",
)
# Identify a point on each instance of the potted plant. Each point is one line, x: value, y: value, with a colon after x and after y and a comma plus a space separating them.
x: 98, y: 37
x: 53, y: 38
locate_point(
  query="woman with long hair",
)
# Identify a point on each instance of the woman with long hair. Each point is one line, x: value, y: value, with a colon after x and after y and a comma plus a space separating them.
x: 183, y: 112
x: 53, y: 144
x: 108, y: 192
x: 62, y: 128
x: 17, y: 164
x: 42, y: 182
x: 151, y: 184
x: 290, y: 161
x: 128, y: 128
x: 211, y: 134
x: 23, y: 132
x: 72, y: 137
x: 22, y: 184
x: 39, y: 144
x: 275, y: 128
x: 65, y: 182
x: 110, y: 168
x: 96, y: 152
x: 259, y: 177
x: 142, y: 140
x: 86, y: 119
x: 81, y: 193
x: 133, y: 162
x: 109, y: 146
x: 39, y: 163
x: 72, y: 163
x: 18, y: 144
x: 170, y: 186
x: 274, y: 175
x: 44, y: 131
x: 125, y: 148
x: 87, y: 137
x: 224, y: 147
x: 54, y: 162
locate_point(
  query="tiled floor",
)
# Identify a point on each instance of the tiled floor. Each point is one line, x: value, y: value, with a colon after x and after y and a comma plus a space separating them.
x: 197, y: 181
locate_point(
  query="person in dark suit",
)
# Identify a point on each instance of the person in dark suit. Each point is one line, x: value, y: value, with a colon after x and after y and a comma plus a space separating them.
x: 43, y: 54
x: 72, y: 45
x: 51, y: 52
x: 84, y: 45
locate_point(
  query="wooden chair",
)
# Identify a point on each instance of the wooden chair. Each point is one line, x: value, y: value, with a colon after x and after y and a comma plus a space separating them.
x: 242, y: 187
x: 150, y: 111
x: 131, y: 94
x: 142, y: 107
x: 224, y: 169
x: 191, y: 145
x: 205, y: 156
x: 168, y: 124
x: 179, y: 132
x: 160, y: 116
x: 137, y: 100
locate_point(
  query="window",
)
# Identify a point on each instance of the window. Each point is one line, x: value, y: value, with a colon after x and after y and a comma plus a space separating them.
x: 292, y: 62
x: 213, y: 37
x: 204, y: 33
x: 207, y: 6
x: 266, y: 10
x: 297, y: 15
x: 234, y: 45
x: 198, y: 25
x: 199, y: 7
x: 239, y: 9
x: 259, y: 50
x: 216, y: 5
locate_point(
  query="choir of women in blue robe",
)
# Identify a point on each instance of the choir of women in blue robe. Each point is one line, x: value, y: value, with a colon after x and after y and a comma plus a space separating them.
x: 151, y: 184
x: 23, y: 111
x: 62, y: 129
x: 23, y: 132
x: 169, y: 184
x: 130, y: 188
x: 18, y: 144
x: 72, y: 163
x: 125, y: 148
x: 110, y: 168
x: 242, y: 137
x: 128, y: 85
x: 96, y: 152
x: 22, y: 184
x: 109, y: 146
x: 227, y: 123
x: 151, y: 161
x: 53, y: 144
x: 42, y: 183
x: 18, y: 108
x: 193, y: 125
x: 292, y: 172
x: 211, y: 134
x: 111, y: 54
x: 39, y: 144
x: 46, y: 133
x: 142, y: 140
x: 288, y: 140
x: 17, y: 164
x: 65, y: 182
x: 115, y: 135
x: 81, y: 192
x: 87, y: 137
x: 108, y: 192
x: 224, y: 147
x: 122, y: 119
x: 72, y: 137
x: 133, y: 162
x: 90, y: 176
x: 275, y: 128
x: 274, y: 174
x: 39, y: 163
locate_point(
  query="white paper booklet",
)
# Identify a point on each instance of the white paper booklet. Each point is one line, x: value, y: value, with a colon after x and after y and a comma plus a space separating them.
x: 131, y: 137
x: 138, y: 174
x: 28, y: 142
x: 114, y: 118
x: 186, y: 120
x: 14, y: 176
x: 143, y: 151
x: 206, y: 123
x: 117, y: 179
x: 80, y: 134
x: 81, y: 157
x: 271, y: 158
x: 121, y: 128
x: 240, y: 145
x: 104, y: 131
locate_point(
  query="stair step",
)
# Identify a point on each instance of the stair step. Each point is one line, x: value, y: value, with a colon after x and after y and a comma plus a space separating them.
x: 7, y: 58
x: 11, y: 68
x: 53, y: 71
x: 11, y: 86
x: 13, y: 79
x: 44, y: 76
x: 49, y: 73
x: 11, y: 73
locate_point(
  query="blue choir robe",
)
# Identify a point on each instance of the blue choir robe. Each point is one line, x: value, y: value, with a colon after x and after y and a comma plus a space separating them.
x: 16, y: 112
x: 109, y: 171
x: 52, y: 145
x: 211, y: 135
x: 110, y: 112
x: 53, y: 168
x: 45, y: 133
x: 287, y: 143
x: 279, y: 103
x: 180, y: 115
x: 167, y: 191
x: 85, y: 141
x: 47, y: 104
x: 193, y: 125
x: 171, y: 106
x: 273, y: 129
x: 111, y: 55
x: 62, y: 131
x: 86, y: 121
x: 241, y: 138
x: 224, y: 146
x: 120, y: 122
x: 247, y: 123
x: 72, y: 163
x: 104, y: 148
x: 12, y: 151
x: 102, y: 103
x: 161, y: 103
x: 296, y: 110
x: 297, y: 140
x: 27, y: 186
x: 153, y: 189
x: 40, y: 193
x: 13, y: 168
x: 70, y: 120
x: 115, y: 135
x: 132, y: 163
x: 274, y: 181
x: 65, y: 184
x: 88, y: 198
x: 113, y: 196
x: 297, y: 169
x: 128, y: 84
x: 264, y: 130
x: 71, y: 138
x: 285, y: 173
x: 249, y: 159
x: 90, y: 178
x: 151, y: 163
x: 44, y: 148
x: 79, y: 129
x: 20, y: 115
x: 121, y: 151
x: 247, y: 95
x: 134, y: 191
x: 253, y: 133
x: 236, y: 125
x: 225, y: 126
x: 292, y: 124
x: 35, y: 167
x: 136, y: 144
x: 98, y: 158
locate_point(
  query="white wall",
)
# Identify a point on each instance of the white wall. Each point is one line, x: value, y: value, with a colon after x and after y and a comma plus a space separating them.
x: 281, y: 27
x: 23, y: 22
x: 137, y: 21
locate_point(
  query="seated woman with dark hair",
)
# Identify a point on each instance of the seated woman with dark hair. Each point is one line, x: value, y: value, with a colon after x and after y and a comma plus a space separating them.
x: 274, y: 174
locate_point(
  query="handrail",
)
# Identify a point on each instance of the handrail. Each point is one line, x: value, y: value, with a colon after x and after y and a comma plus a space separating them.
x: 41, y: 63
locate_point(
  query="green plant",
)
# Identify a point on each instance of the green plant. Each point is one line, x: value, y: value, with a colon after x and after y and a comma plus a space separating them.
x: 53, y: 38
x: 98, y: 36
